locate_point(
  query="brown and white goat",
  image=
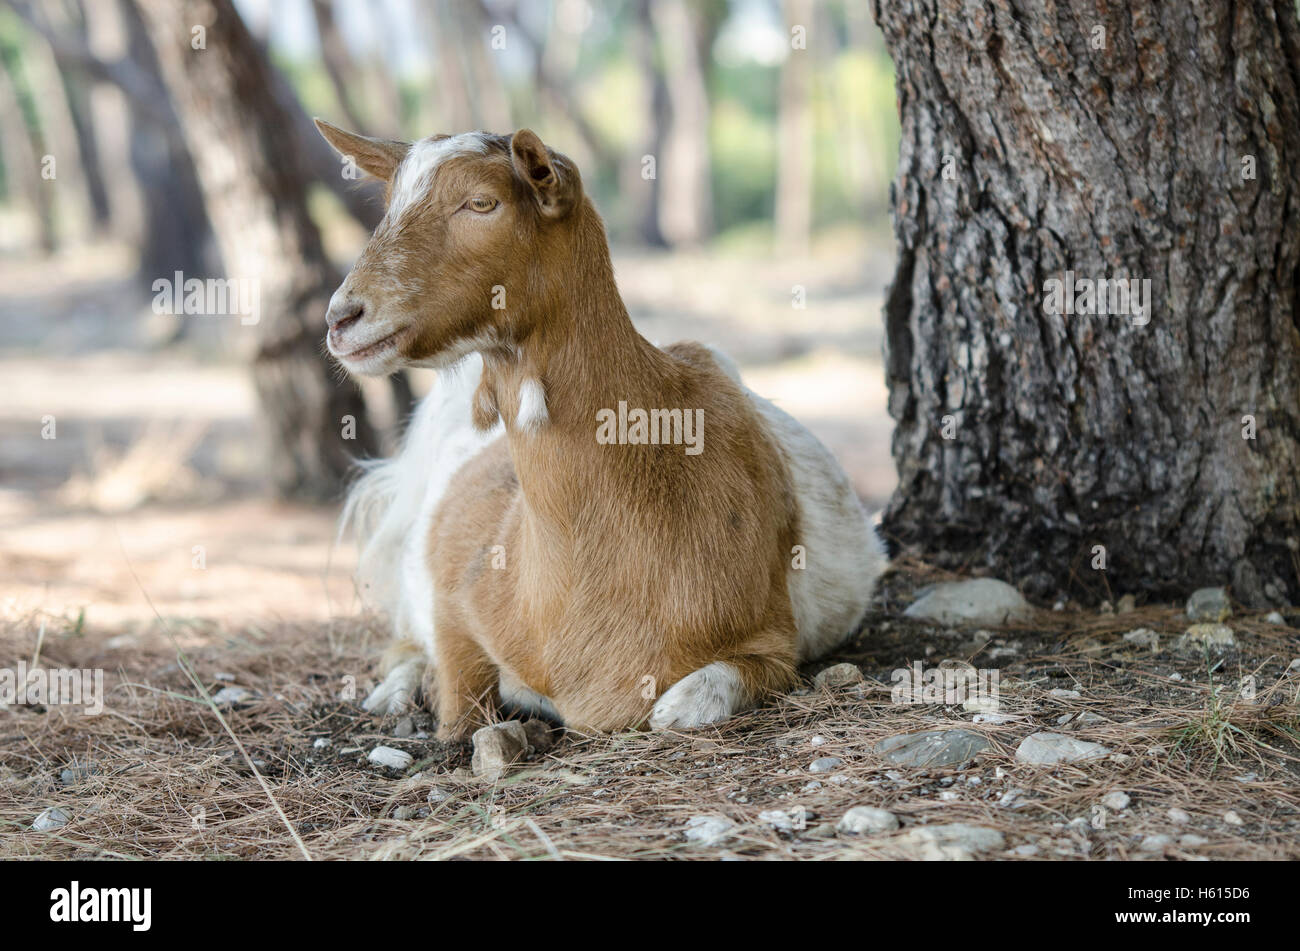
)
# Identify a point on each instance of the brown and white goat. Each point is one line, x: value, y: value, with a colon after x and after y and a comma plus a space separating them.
x: 601, y: 581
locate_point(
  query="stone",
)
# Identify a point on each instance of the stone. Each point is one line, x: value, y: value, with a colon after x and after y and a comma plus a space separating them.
x: 1209, y: 604
x: 1061, y: 693
x: 229, y: 696
x: 75, y: 774
x: 1116, y: 801
x: 867, y: 820
x: 1179, y: 816
x: 1275, y: 617
x: 1232, y: 819
x: 437, y: 794
x: 1127, y: 604
x: 1155, y: 843
x: 1191, y: 840
x: 708, y: 830
x: 841, y: 675
x: 405, y: 727
x: 782, y: 820
x: 390, y: 758
x: 825, y: 764
x: 320, y: 743
x: 403, y: 813
x: 953, y: 842
x: 497, y: 748
x: 976, y: 602
x: 51, y: 819
x: 538, y: 733
x: 932, y: 747
x: 1048, y: 749
x: 1215, y: 637
x: 1143, y: 637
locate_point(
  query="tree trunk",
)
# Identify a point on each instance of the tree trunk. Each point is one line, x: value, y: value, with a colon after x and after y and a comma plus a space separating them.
x: 255, y: 179
x: 1076, y: 141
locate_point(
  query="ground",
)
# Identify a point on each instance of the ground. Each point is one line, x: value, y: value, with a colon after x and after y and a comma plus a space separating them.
x: 142, y: 546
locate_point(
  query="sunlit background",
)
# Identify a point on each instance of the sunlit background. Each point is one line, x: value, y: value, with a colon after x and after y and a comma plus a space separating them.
x: 764, y: 229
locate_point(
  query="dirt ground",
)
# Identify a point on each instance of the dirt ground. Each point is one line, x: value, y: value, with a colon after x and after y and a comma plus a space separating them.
x: 138, y: 543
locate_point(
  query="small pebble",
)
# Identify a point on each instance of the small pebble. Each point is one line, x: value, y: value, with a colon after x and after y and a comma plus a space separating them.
x: 1116, y: 801
x: 1179, y: 816
x: 51, y: 819
x: 867, y: 820
x: 825, y: 764
x: 390, y: 758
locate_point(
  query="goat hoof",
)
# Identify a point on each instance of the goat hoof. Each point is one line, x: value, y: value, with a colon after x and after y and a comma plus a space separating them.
x: 396, y: 694
x: 708, y: 695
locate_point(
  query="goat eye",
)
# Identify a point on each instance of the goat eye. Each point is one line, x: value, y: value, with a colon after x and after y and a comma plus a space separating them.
x: 481, y: 205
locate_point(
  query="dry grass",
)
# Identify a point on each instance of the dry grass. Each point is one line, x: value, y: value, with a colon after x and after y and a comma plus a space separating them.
x: 165, y: 779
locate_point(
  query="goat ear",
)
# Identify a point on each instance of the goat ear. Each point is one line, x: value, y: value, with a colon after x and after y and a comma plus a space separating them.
x: 378, y: 157
x: 551, y: 177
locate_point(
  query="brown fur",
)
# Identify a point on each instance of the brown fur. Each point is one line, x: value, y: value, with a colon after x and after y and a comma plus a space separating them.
x: 627, y: 567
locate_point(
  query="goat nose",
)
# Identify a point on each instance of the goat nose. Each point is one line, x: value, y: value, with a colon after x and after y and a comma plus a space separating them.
x: 343, y: 313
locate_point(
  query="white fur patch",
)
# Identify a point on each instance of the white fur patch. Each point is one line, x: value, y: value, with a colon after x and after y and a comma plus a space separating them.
x: 532, y: 414
x: 415, y: 175
x: 704, y: 696
x: 392, y: 506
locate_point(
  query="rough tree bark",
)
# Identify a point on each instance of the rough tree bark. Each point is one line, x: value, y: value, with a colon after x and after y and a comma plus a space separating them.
x: 1114, y: 141
x: 254, y: 179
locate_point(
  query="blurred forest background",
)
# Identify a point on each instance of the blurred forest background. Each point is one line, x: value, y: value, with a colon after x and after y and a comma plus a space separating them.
x: 194, y: 445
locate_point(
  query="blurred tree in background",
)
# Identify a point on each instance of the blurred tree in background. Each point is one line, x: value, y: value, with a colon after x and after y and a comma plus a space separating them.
x: 753, y: 123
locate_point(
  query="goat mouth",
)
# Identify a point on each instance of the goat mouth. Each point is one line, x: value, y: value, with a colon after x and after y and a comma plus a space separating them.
x: 373, y: 349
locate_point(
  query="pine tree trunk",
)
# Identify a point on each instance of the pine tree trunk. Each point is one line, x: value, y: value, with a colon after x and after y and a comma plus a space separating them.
x: 1147, y: 140
x: 254, y: 179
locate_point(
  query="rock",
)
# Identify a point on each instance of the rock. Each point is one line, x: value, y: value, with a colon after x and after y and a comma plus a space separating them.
x: 51, y: 819
x: 953, y: 842
x: 1127, y: 604
x: 1274, y: 617
x: 1024, y: 851
x: 1155, y: 843
x: 229, y: 696
x: 405, y: 727
x: 1143, y: 637
x: 403, y: 813
x: 778, y: 819
x: 932, y: 747
x: 1088, y: 718
x: 1209, y: 604
x: 1215, y: 637
x: 1178, y: 816
x: 841, y: 675
x: 390, y: 758
x: 1232, y: 819
x: 977, y: 602
x: 497, y: 747
x: 867, y: 820
x: 1048, y: 749
x: 437, y: 794
x: 538, y: 733
x: 825, y: 764
x: 321, y: 743
x: 1062, y: 694
x: 708, y: 830
x: 995, y: 718
x: 1116, y: 801
x: 75, y: 774
x: 1191, y: 840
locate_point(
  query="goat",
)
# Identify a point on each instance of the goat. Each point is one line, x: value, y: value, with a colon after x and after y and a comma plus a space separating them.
x: 600, y: 581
